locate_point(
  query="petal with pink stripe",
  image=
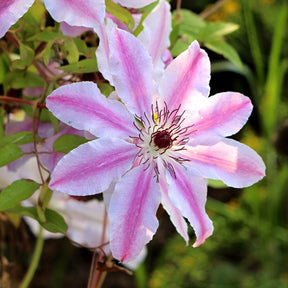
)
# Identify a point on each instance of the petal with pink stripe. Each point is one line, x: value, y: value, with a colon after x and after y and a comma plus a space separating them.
x: 132, y: 213
x: 92, y: 167
x: 11, y: 12
x: 234, y: 163
x: 77, y: 13
x: 186, y: 75
x: 82, y: 106
x: 102, y: 52
x: 188, y: 192
x: 174, y: 213
x: 131, y: 69
x: 155, y: 35
x: 223, y: 114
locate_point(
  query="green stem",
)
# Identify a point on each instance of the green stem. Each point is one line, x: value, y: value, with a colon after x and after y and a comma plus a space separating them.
x: 34, y: 261
x: 253, y: 40
x: 276, y: 72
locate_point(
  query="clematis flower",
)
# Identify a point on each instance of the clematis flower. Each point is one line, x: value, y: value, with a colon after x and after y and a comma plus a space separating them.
x: 154, y: 36
x: 159, y: 145
x: 73, y: 12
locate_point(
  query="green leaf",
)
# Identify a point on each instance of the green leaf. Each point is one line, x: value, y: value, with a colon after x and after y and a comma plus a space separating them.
x: 81, y: 46
x: 26, y: 57
x: 47, y: 51
x: 120, y: 13
x: 55, y: 223
x: 47, y: 36
x: 66, y: 143
x: 25, y: 211
x: 145, y: 11
x: 19, y: 138
x: 4, y: 66
x: 189, y: 22
x: 70, y: 51
x: 226, y: 50
x: 16, y: 192
x: 181, y: 45
x: 83, y: 66
x: 216, y: 184
x: 21, y: 79
x: 215, y: 30
x: 9, y: 153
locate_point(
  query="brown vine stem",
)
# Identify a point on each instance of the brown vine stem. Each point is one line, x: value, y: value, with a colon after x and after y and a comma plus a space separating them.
x: 178, y: 7
x: 97, y: 277
x: 212, y: 9
x: 7, y: 99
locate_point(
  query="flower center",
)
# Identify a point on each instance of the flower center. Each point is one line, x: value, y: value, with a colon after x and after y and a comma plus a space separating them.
x: 162, y: 139
x: 161, y: 134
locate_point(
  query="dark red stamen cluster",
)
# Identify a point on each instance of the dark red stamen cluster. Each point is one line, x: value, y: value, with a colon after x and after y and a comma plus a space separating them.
x: 162, y: 139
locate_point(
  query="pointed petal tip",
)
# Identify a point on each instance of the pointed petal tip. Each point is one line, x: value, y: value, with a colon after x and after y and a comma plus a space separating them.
x: 200, y: 241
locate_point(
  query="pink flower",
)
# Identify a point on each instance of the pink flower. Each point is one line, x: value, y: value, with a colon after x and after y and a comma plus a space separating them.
x: 76, y: 13
x: 154, y: 36
x: 11, y: 11
x: 159, y: 146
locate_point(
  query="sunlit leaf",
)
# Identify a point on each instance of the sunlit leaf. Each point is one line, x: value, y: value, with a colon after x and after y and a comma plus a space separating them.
x: 66, y: 143
x: 120, y: 13
x: 215, y: 30
x: 47, y: 35
x: 81, y: 45
x: 83, y: 66
x: 216, y: 184
x: 70, y: 51
x: 16, y: 192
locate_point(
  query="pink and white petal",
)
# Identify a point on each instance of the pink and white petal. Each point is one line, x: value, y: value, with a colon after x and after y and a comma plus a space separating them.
x: 82, y: 106
x: 234, y: 163
x: 134, y: 3
x: 132, y: 213
x: 90, y: 168
x: 223, y: 114
x: 188, y: 192
x: 155, y: 35
x: 77, y: 13
x: 102, y: 52
x: 186, y: 76
x: 11, y: 12
x: 174, y: 213
x: 132, y: 70
x: 72, y: 31
x: 86, y: 221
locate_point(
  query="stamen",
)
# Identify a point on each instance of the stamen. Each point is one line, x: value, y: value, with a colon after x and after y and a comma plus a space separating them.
x: 159, y: 133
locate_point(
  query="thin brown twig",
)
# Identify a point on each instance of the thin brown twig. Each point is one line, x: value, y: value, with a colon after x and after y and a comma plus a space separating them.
x: 99, y: 276
x: 8, y: 99
x: 212, y: 9
x: 178, y: 5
